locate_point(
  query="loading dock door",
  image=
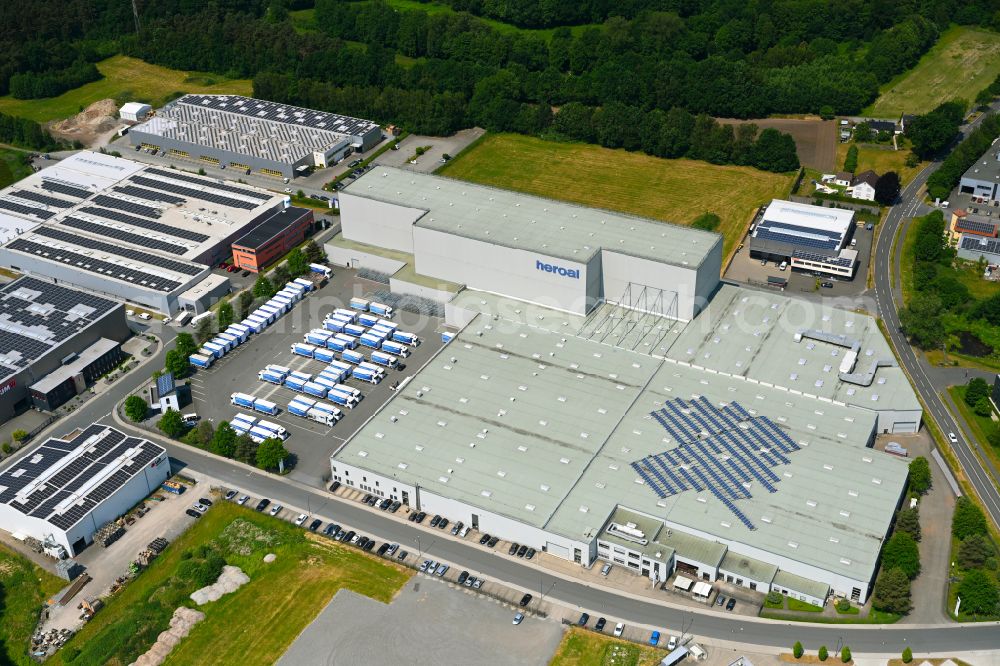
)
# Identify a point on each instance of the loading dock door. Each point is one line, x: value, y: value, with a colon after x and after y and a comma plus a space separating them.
x: 904, y: 426
x: 556, y: 549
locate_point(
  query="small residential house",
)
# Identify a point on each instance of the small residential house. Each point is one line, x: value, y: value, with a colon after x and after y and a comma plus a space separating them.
x: 884, y: 126
x: 863, y: 186
x: 166, y: 394
x: 843, y: 178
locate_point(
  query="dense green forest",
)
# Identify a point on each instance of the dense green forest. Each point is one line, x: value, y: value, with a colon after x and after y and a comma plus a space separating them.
x: 438, y: 71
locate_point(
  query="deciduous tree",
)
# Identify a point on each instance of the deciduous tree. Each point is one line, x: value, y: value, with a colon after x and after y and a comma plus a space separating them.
x: 887, y: 188
x: 136, y: 408
x: 171, y: 424
x: 901, y: 552
x: 968, y: 519
x: 270, y: 453
x: 891, y: 592
x: 920, y: 475
x: 978, y: 593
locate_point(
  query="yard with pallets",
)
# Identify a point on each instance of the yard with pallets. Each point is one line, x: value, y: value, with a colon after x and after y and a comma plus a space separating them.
x: 253, y: 625
x: 581, y: 647
x: 24, y: 588
x: 676, y: 191
x: 125, y: 79
x: 962, y: 62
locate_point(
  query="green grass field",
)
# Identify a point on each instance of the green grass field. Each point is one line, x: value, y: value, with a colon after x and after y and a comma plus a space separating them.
x: 129, y: 78
x: 587, y: 648
x: 12, y: 166
x: 283, y: 597
x: 23, y: 590
x: 962, y: 62
x: 880, y: 160
x: 675, y: 191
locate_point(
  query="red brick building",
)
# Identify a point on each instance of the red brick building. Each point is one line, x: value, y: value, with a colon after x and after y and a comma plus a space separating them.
x: 271, y: 237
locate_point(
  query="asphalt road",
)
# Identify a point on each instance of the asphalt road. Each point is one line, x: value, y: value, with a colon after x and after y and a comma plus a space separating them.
x: 887, y: 273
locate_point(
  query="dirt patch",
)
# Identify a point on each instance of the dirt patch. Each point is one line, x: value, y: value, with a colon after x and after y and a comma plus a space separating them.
x: 87, y: 126
x: 815, y: 139
x: 970, y: 345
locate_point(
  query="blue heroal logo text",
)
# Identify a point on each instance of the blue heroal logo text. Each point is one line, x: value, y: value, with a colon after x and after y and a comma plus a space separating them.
x: 559, y: 270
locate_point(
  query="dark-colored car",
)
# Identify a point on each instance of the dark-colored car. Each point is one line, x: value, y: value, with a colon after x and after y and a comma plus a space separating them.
x: 525, y: 600
x: 368, y: 498
x: 420, y: 517
x: 381, y: 549
x: 720, y: 600
x: 334, y: 486
x: 462, y: 577
x: 530, y: 554
x: 483, y: 539
x: 521, y: 551
x: 386, y: 503
x: 261, y: 505
x: 731, y: 604
x: 362, y: 542
x: 348, y: 536
x: 493, y: 541
x: 582, y: 622
x: 600, y: 624
x: 443, y: 524
x: 314, y: 525
x: 512, y: 550
x: 205, y: 501
x: 331, y: 529
x: 401, y: 555
x: 412, y: 517
x: 370, y: 544
x: 231, y: 494
x: 457, y: 527
x: 828, y: 285
x: 435, y: 520
x: 395, y: 506
x: 193, y: 513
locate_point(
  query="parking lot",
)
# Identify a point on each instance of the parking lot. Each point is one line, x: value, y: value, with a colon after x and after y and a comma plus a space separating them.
x: 310, y: 443
x: 744, y: 269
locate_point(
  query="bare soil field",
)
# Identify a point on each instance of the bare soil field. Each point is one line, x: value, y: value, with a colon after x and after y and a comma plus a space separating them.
x: 815, y: 139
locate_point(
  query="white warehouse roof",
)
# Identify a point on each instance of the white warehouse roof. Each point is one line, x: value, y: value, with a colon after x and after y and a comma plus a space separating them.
x: 809, y: 216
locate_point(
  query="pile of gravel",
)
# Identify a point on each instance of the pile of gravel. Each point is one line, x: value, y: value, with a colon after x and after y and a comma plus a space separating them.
x: 181, y: 624
x: 230, y: 580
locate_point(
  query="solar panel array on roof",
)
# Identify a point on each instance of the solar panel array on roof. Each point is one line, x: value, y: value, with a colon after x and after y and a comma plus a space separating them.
x: 208, y: 183
x: 42, y: 199
x: 40, y: 213
x: 134, y: 239
x: 192, y: 193
x: 976, y: 226
x: 823, y: 259
x: 283, y: 113
x: 62, y: 188
x: 795, y: 235
x: 117, y: 250
x: 166, y: 229
x: 720, y: 450
x: 990, y: 245
x: 165, y: 383
x: 83, y: 262
x: 152, y: 195
x: 127, y: 206
x: 37, y: 315
x: 87, y: 470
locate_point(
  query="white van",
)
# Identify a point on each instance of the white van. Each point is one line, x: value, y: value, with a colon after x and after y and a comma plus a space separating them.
x: 190, y: 419
x: 783, y: 266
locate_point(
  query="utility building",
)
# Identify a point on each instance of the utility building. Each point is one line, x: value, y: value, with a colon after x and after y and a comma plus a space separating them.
x: 254, y: 135
x: 809, y: 238
x: 64, y: 490
x: 982, y: 179
x: 273, y: 235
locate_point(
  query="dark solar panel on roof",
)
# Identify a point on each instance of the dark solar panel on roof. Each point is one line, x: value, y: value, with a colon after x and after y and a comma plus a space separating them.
x: 208, y: 183
x: 145, y: 224
x: 15, y: 207
x: 136, y: 255
x: 822, y: 258
x: 125, y: 236
x: 989, y: 245
x: 42, y: 199
x: 83, y: 262
x: 152, y: 195
x: 127, y: 206
x: 976, y: 226
x: 62, y: 188
x: 192, y: 193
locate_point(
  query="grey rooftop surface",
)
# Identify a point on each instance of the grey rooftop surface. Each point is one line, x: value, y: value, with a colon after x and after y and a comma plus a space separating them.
x: 987, y: 167
x: 542, y: 426
x: 523, y: 221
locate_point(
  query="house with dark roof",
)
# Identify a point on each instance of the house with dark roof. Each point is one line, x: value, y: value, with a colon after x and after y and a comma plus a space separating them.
x: 863, y: 185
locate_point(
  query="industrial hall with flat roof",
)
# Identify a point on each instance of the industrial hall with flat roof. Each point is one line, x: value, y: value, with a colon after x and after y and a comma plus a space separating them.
x: 726, y: 437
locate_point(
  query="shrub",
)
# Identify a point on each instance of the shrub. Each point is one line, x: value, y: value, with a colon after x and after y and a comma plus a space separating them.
x: 901, y: 551
x: 797, y: 650
x: 974, y: 551
x: 968, y: 519
x: 845, y: 654
x: 851, y: 161
x: 823, y: 654
x: 920, y: 475
x: 979, y: 593
x: 843, y: 605
x: 7, y: 448
x: 774, y: 597
x: 19, y: 435
x: 706, y: 222
x: 907, y: 655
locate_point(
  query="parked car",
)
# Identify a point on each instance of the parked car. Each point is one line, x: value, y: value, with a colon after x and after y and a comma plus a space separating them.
x: 519, y: 617
x: 465, y: 530
x: 654, y: 638
x: 412, y: 517
x: 382, y: 550
x: 869, y: 226
x: 525, y: 600
x: 420, y: 517
x: 672, y: 643
x: 470, y: 581
x: 231, y: 494
x: 600, y: 624
x: 530, y: 554
x: 401, y: 555
x: 522, y: 550
x: 200, y: 508
x: 367, y: 498
x: 441, y: 570
x: 334, y: 486
x: 362, y: 542
x: 513, y: 549
x: 192, y: 513
x: 720, y: 600
x: 483, y: 539
x: 606, y: 569
x: 243, y: 500
x: 314, y: 525
x: 301, y: 519
x: 619, y: 628
x: 349, y: 536
x: 205, y: 501
x: 331, y: 529
x: 462, y: 577
x: 386, y: 503
x: 275, y: 509
x: 424, y: 565
x: 393, y: 547
x: 582, y: 622
x: 435, y: 520
x: 731, y: 604
x: 456, y: 528
x: 478, y: 583
x: 261, y: 505
x: 493, y: 541
x: 827, y: 285
x: 395, y: 506
x: 443, y: 524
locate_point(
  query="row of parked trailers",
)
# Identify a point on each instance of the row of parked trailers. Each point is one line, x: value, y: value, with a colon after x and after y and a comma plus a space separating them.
x: 258, y: 429
x: 255, y: 322
x: 329, y: 383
